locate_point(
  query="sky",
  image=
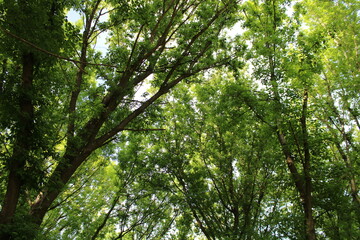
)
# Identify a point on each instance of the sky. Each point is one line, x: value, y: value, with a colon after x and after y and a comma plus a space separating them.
x: 101, y: 45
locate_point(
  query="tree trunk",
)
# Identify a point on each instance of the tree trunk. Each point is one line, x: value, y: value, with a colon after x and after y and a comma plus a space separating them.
x: 309, y: 220
x: 304, y: 187
x: 22, y: 145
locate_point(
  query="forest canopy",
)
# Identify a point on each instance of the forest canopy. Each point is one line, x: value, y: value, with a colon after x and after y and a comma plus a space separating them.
x: 196, y: 119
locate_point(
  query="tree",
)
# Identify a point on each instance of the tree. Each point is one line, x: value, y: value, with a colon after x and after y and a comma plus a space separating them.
x: 336, y: 103
x: 290, y: 61
x: 110, y: 145
x: 285, y: 72
x: 61, y: 101
x: 340, y: 80
x: 217, y: 172
x: 220, y: 179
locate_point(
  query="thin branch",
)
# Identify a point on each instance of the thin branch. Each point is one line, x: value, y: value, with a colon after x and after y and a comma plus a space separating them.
x: 75, y: 191
x: 134, y: 46
x: 76, y: 62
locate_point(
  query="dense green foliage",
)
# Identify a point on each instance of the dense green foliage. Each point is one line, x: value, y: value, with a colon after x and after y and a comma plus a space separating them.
x: 202, y: 119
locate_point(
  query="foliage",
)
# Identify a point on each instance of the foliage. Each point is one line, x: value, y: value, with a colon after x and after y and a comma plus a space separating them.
x: 179, y: 130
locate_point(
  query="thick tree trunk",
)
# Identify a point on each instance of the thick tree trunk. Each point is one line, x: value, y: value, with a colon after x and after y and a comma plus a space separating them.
x: 64, y: 171
x: 69, y: 163
x: 22, y: 144
x: 11, y: 197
